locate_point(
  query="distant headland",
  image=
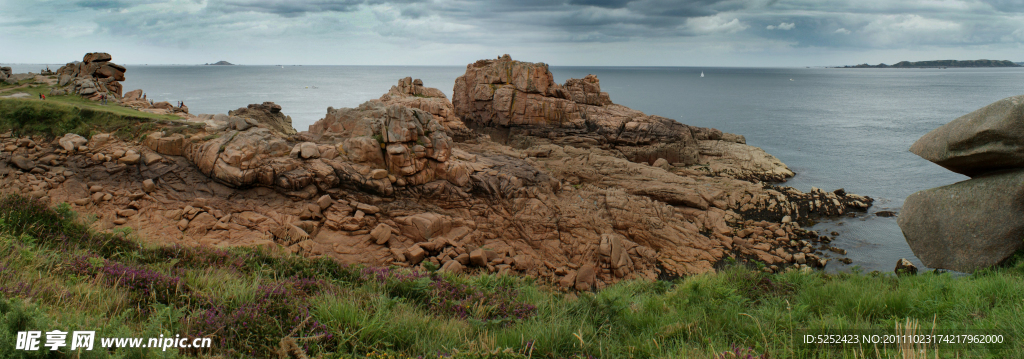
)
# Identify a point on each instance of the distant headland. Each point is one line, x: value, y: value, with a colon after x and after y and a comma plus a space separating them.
x: 221, y: 63
x: 940, y: 63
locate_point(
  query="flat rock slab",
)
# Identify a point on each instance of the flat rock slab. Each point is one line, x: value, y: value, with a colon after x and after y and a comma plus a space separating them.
x: 966, y: 225
x: 989, y: 139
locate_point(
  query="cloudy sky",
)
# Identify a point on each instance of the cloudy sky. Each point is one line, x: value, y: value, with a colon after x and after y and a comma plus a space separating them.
x: 558, y: 32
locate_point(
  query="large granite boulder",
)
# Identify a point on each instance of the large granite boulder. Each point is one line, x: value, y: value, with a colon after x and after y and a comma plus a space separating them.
x: 94, y: 76
x: 989, y: 139
x: 967, y: 225
x: 267, y: 113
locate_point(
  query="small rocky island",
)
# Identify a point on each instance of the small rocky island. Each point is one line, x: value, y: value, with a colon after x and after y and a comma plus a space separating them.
x: 222, y: 62
x: 939, y: 64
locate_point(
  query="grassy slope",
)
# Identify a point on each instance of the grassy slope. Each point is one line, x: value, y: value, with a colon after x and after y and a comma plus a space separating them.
x: 55, y: 274
x: 69, y: 113
x: 54, y: 118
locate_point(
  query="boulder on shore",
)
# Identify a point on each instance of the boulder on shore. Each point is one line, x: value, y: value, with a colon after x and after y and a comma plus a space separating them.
x: 986, y: 140
x: 966, y: 225
x: 267, y: 113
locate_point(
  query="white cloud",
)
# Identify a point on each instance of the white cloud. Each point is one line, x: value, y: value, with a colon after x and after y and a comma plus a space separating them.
x: 782, y: 26
x: 714, y: 25
x: 902, y: 30
x: 843, y: 31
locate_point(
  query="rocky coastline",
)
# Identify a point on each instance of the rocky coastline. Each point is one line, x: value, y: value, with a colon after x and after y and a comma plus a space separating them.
x: 515, y: 174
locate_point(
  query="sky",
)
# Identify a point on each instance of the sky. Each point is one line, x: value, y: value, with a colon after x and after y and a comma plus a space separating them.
x: 774, y: 33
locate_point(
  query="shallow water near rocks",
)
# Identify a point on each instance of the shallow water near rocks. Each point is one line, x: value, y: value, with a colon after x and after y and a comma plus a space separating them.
x: 836, y: 128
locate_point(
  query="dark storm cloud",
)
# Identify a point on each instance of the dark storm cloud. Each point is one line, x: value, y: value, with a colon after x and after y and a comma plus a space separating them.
x: 784, y: 25
x: 687, y: 9
x: 102, y: 4
x: 291, y: 8
x: 611, y: 4
x: 1013, y: 6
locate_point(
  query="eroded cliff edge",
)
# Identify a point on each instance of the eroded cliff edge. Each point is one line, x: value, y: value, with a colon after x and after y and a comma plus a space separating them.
x: 517, y: 173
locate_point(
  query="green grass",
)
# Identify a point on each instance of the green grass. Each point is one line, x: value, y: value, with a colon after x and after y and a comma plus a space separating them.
x: 59, y: 115
x: 83, y: 103
x: 56, y: 274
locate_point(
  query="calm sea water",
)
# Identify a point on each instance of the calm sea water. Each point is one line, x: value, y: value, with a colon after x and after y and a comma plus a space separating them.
x: 836, y: 128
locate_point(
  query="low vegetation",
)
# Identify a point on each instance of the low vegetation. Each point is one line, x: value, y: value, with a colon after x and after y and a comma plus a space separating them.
x: 57, y: 274
x: 21, y: 117
x: 70, y: 114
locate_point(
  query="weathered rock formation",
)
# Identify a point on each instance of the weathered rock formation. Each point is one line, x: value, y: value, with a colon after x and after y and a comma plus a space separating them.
x: 93, y: 76
x: 521, y: 98
x: 979, y: 222
x: 411, y: 93
x: 518, y: 103
x: 385, y: 184
x: 268, y: 113
x: 5, y: 72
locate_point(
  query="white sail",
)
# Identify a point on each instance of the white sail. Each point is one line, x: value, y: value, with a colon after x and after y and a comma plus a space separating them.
x: 702, y: 74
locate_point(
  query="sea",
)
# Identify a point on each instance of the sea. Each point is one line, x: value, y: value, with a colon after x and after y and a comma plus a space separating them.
x: 834, y: 127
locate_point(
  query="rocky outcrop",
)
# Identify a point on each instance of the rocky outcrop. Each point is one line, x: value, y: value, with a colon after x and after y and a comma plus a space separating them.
x: 737, y: 160
x: 411, y: 93
x: 979, y: 222
x: 5, y: 72
x: 407, y: 143
x: 519, y: 103
x: 507, y: 94
x: 269, y: 114
x: 93, y: 76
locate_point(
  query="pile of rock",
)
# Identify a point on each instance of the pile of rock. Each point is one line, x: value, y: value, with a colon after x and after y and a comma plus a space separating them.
x: 267, y: 113
x: 404, y: 145
x: 521, y: 98
x: 979, y: 222
x: 94, y: 76
x: 5, y: 73
x: 412, y: 93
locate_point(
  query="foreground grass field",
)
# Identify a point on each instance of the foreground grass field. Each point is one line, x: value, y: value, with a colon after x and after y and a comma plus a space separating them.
x: 55, y: 274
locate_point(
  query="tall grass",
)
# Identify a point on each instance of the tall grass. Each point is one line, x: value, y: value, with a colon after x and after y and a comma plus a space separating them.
x: 55, y: 274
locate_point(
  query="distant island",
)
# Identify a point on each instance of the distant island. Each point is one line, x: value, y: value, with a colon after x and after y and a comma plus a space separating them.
x: 221, y: 63
x: 940, y: 63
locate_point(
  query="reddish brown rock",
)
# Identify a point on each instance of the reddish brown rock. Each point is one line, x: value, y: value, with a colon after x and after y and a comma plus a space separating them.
x: 267, y: 114
x: 586, y: 277
x: 411, y: 93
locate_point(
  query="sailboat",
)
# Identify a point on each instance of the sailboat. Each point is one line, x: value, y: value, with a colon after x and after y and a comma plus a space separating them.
x: 702, y: 74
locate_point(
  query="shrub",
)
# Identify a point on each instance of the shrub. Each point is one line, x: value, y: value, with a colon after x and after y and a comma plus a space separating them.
x: 250, y: 328
x: 17, y: 316
x: 56, y: 227
x: 147, y: 285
